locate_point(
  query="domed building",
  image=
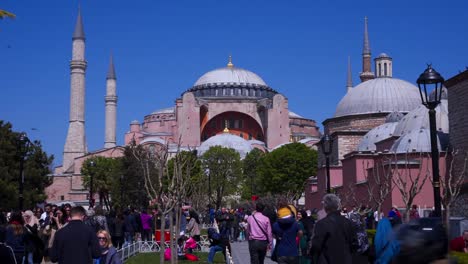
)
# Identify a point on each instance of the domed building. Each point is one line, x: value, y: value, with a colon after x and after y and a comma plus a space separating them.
x: 367, y: 105
x: 226, y: 99
x: 230, y: 107
x: 380, y: 130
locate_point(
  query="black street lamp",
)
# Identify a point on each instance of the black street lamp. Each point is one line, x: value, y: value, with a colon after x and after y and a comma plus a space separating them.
x: 430, y: 84
x: 326, y: 144
x: 23, y: 145
x: 92, y: 164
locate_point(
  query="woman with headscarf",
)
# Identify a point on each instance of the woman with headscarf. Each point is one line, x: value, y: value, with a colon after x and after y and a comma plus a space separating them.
x: 34, y: 244
x: 385, y: 243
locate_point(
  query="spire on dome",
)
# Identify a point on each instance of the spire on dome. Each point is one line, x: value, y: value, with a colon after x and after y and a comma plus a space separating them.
x: 230, y: 65
x: 79, y: 32
x: 366, y: 47
x: 349, y: 81
x: 226, y: 129
x: 111, y: 72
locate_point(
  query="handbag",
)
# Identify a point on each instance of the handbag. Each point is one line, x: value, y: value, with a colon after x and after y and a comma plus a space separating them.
x: 274, y: 253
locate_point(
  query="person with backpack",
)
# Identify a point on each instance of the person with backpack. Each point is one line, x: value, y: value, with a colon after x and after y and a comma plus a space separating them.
x: 334, y: 237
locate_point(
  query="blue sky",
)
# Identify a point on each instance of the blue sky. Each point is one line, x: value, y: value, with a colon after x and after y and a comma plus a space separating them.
x: 300, y: 48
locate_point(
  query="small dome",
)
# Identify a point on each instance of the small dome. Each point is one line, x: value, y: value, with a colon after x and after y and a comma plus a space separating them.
x: 394, y: 117
x: 375, y: 135
x: 135, y: 122
x: 294, y: 115
x: 230, y: 75
x: 380, y: 95
x: 419, y: 119
x: 383, y: 55
x: 419, y: 140
x: 227, y: 140
x: 169, y: 110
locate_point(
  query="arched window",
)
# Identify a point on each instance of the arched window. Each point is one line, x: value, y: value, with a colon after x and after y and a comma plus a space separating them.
x: 385, y: 69
x: 380, y: 69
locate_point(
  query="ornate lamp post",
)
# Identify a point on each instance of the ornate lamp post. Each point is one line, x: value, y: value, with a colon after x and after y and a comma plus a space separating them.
x: 92, y: 164
x: 327, y: 144
x: 23, y: 145
x: 430, y: 88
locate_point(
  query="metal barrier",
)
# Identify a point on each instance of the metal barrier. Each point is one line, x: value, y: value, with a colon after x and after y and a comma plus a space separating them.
x: 131, y: 250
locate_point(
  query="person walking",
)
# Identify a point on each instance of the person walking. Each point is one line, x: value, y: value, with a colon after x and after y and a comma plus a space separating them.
x: 259, y: 234
x: 334, y: 236
x: 15, y: 236
x: 76, y: 242
x: 193, y: 227
x: 286, y: 229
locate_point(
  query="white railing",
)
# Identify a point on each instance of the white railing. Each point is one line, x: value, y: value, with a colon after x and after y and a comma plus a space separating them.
x: 131, y: 250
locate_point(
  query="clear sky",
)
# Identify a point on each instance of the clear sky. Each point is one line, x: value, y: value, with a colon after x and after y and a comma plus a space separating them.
x: 300, y: 48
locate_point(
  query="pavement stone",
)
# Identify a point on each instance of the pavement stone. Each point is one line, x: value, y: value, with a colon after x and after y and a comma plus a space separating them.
x: 240, y: 253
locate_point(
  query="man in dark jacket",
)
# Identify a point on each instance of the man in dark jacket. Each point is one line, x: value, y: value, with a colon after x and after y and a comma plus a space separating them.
x: 334, y: 237
x: 75, y: 242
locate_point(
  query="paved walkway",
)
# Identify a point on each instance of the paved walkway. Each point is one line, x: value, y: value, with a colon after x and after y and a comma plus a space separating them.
x: 240, y: 253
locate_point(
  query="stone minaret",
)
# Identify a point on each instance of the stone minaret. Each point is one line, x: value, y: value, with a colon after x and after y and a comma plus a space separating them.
x: 349, y: 81
x: 366, y: 73
x: 75, y: 144
x: 111, y: 106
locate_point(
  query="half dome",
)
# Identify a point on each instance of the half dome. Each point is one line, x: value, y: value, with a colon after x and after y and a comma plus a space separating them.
x: 230, y: 75
x: 419, y: 119
x: 227, y: 140
x: 380, y: 95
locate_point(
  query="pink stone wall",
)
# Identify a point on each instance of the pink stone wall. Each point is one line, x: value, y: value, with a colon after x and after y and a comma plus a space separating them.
x: 188, y: 120
x: 70, y: 186
x: 278, y: 130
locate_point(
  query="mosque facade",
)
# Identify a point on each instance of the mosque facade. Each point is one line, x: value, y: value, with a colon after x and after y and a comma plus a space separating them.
x: 379, y: 127
x: 228, y: 106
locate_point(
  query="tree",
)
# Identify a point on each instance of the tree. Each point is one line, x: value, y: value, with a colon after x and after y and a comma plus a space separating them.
x: 106, y: 177
x: 285, y: 170
x: 36, y: 168
x: 378, y: 182
x: 408, y: 181
x: 250, y: 180
x: 134, y: 194
x: 222, y: 166
x: 166, y: 186
x: 6, y: 14
x: 452, y: 183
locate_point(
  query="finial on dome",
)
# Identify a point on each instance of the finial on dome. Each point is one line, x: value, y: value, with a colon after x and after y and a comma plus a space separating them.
x: 226, y: 129
x: 230, y: 65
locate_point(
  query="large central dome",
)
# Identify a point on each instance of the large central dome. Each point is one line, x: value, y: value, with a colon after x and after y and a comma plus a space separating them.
x: 380, y: 95
x: 230, y: 75
x: 231, y: 82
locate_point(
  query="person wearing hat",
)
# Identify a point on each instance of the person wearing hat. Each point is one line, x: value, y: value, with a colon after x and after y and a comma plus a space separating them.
x: 285, y: 230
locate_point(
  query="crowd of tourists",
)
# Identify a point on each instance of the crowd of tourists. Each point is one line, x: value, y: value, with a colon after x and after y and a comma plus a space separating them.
x: 336, y: 235
x: 288, y: 235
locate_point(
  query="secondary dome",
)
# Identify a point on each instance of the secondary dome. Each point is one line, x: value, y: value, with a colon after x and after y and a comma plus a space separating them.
x: 380, y: 95
x: 227, y: 140
x: 230, y: 75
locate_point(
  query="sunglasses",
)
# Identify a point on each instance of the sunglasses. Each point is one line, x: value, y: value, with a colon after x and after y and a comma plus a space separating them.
x: 102, y: 238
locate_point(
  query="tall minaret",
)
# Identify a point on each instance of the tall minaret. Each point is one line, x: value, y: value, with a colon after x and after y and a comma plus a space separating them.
x: 75, y: 144
x: 349, y: 81
x: 366, y: 73
x: 111, y: 106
